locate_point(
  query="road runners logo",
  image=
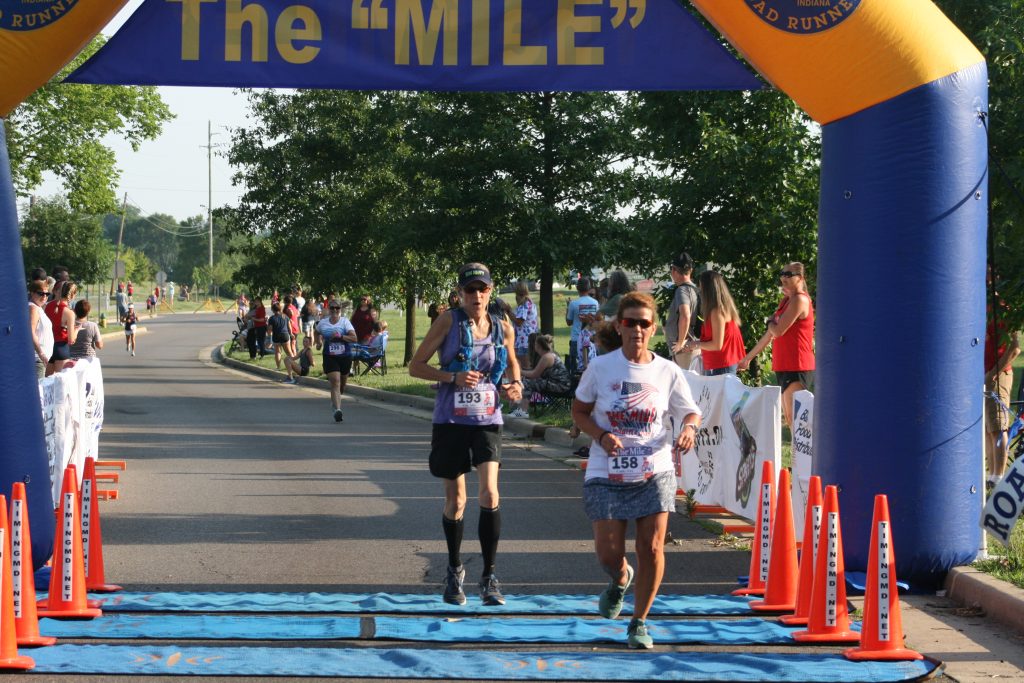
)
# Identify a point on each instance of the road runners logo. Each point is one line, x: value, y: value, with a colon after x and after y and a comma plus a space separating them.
x: 803, y: 16
x: 28, y: 15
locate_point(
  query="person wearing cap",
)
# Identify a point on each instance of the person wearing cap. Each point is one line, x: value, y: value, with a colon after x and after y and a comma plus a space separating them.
x: 334, y: 334
x: 131, y: 321
x: 682, y: 313
x: 477, y: 358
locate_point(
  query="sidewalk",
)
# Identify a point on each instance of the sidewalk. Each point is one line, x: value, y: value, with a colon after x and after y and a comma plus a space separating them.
x: 975, y: 626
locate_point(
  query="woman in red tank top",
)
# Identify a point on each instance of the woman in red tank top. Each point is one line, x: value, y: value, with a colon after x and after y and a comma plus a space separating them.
x: 62, y: 318
x: 721, y: 344
x: 791, y: 334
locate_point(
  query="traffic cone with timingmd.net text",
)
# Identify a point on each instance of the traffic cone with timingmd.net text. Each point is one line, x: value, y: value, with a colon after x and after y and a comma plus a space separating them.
x: 783, y: 576
x: 808, y: 556
x: 67, y: 596
x: 829, y: 618
x: 26, y: 620
x: 92, y: 534
x: 882, y: 629
x: 9, y: 657
x: 762, y: 539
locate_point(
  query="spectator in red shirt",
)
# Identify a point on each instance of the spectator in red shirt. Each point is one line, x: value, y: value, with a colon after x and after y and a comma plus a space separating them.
x: 363, y: 318
x: 257, y: 337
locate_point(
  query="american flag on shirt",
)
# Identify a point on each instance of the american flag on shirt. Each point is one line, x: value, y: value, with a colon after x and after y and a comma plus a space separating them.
x: 636, y: 394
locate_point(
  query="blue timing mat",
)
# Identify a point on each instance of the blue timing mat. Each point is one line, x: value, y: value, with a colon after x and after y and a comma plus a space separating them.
x: 377, y: 603
x: 133, y: 660
x: 205, y: 627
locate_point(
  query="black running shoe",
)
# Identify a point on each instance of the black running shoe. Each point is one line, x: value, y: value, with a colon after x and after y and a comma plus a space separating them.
x: 337, y: 415
x: 453, y: 593
x: 490, y: 591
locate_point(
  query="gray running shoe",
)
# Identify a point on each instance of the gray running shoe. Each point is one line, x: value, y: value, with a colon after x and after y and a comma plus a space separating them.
x: 636, y: 636
x: 453, y: 593
x: 610, y: 603
x: 337, y: 415
x: 490, y: 591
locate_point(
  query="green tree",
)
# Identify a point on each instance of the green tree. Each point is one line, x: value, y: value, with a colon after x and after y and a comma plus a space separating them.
x: 60, y: 128
x: 336, y: 199
x: 138, y: 267
x: 997, y: 29
x: 52, y: 232
x: 530, y: 182
x: 731, y: 178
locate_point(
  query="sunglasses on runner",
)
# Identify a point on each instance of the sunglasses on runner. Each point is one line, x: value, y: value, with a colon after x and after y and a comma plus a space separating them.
x: 476, y: 290
x: 642, y: 323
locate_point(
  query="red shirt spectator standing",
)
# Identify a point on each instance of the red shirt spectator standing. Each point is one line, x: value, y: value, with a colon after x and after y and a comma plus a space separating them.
x: 363, y: 318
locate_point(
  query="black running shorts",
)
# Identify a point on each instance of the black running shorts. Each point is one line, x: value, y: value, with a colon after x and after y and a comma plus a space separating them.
x: 456, y: 449
x: 342, y: 364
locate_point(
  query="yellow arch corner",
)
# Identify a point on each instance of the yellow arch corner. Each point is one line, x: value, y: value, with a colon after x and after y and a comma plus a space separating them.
x: 855, y: 55
x: 37, y: 41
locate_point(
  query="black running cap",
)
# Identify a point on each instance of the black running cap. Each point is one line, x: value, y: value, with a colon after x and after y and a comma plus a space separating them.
x: 474, y: 272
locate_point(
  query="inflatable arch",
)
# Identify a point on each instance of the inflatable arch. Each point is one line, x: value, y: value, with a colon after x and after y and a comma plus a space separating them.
x: 901, y: 95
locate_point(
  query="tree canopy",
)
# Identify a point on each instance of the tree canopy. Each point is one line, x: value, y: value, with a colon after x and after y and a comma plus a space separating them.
x: 60, y: 129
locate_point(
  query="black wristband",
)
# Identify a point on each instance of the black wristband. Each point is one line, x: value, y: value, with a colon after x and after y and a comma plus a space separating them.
x: 601, y: 438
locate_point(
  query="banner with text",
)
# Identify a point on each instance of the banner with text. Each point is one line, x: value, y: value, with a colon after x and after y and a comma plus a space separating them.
x: 741, y: 429
x: 72, y: 405
x: 802, y: 430
x: 499, y: 45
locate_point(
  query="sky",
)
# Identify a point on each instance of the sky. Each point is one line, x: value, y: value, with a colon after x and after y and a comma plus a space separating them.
x: 169, y: 175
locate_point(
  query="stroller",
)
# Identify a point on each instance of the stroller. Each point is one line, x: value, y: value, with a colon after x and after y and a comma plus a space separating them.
x: 238, y: 336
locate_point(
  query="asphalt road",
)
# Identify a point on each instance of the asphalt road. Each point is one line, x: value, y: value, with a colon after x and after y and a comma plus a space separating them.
x: 235, y: 483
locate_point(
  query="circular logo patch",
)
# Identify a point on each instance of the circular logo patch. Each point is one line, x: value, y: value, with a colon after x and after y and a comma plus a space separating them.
x: 803, y: 16
x: 28, y: 15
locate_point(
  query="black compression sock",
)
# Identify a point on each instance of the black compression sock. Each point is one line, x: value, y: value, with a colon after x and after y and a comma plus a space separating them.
x: 453, y: 535
x: 489, y: 531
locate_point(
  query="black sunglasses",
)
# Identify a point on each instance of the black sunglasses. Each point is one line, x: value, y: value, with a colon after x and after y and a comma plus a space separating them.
x: 334, y: 308
x: 642, y: 323
x: 476, y: 290
x: 41, y: 293
x: 788, y: 273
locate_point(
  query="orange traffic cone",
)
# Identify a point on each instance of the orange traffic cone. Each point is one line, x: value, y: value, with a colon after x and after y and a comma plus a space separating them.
x: 882, y: 630
x: 92, y: 533
x: 783, y: 576
x: 812, y: 529
x: 9, y: 657
x: 67, y: 597
x: 829, y: 620
x: 762, y: 540
x: 26, y: 621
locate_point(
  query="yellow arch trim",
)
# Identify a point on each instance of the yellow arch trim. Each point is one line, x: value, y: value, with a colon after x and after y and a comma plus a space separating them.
x: 28, y: 59
x: 881, y: 50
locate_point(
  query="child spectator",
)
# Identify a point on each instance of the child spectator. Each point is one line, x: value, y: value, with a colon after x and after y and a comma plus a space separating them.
x: 279, y: 333
x: 300, y: 364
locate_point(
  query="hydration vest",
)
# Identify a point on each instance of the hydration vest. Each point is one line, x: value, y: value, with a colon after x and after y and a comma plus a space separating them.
x: 464, y: 360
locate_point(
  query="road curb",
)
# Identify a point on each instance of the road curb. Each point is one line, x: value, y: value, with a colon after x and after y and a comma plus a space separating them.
x: 999, y: 599
x: 554, y: 436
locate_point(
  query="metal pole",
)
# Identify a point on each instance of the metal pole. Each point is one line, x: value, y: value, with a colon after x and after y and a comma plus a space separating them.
x: 120, y: 235
x: 209, y: 171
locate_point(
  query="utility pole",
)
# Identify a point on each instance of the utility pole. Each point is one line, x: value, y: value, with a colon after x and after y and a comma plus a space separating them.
x: 209, y: 176
x: 120, y: 235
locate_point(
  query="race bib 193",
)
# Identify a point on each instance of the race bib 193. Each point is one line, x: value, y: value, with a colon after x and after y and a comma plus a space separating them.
x: 474, y: 402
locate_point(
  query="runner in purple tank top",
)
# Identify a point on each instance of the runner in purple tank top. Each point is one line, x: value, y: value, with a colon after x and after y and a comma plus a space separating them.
x: 478, y: 365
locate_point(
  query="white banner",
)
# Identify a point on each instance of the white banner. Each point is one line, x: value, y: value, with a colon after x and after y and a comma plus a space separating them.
x: 1005, y: 504
x: 803, y: 455
x: 740, y: 430
x: 72, y: 406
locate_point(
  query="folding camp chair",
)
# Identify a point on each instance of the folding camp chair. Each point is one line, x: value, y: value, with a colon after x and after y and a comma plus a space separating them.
x: 374, y: 359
